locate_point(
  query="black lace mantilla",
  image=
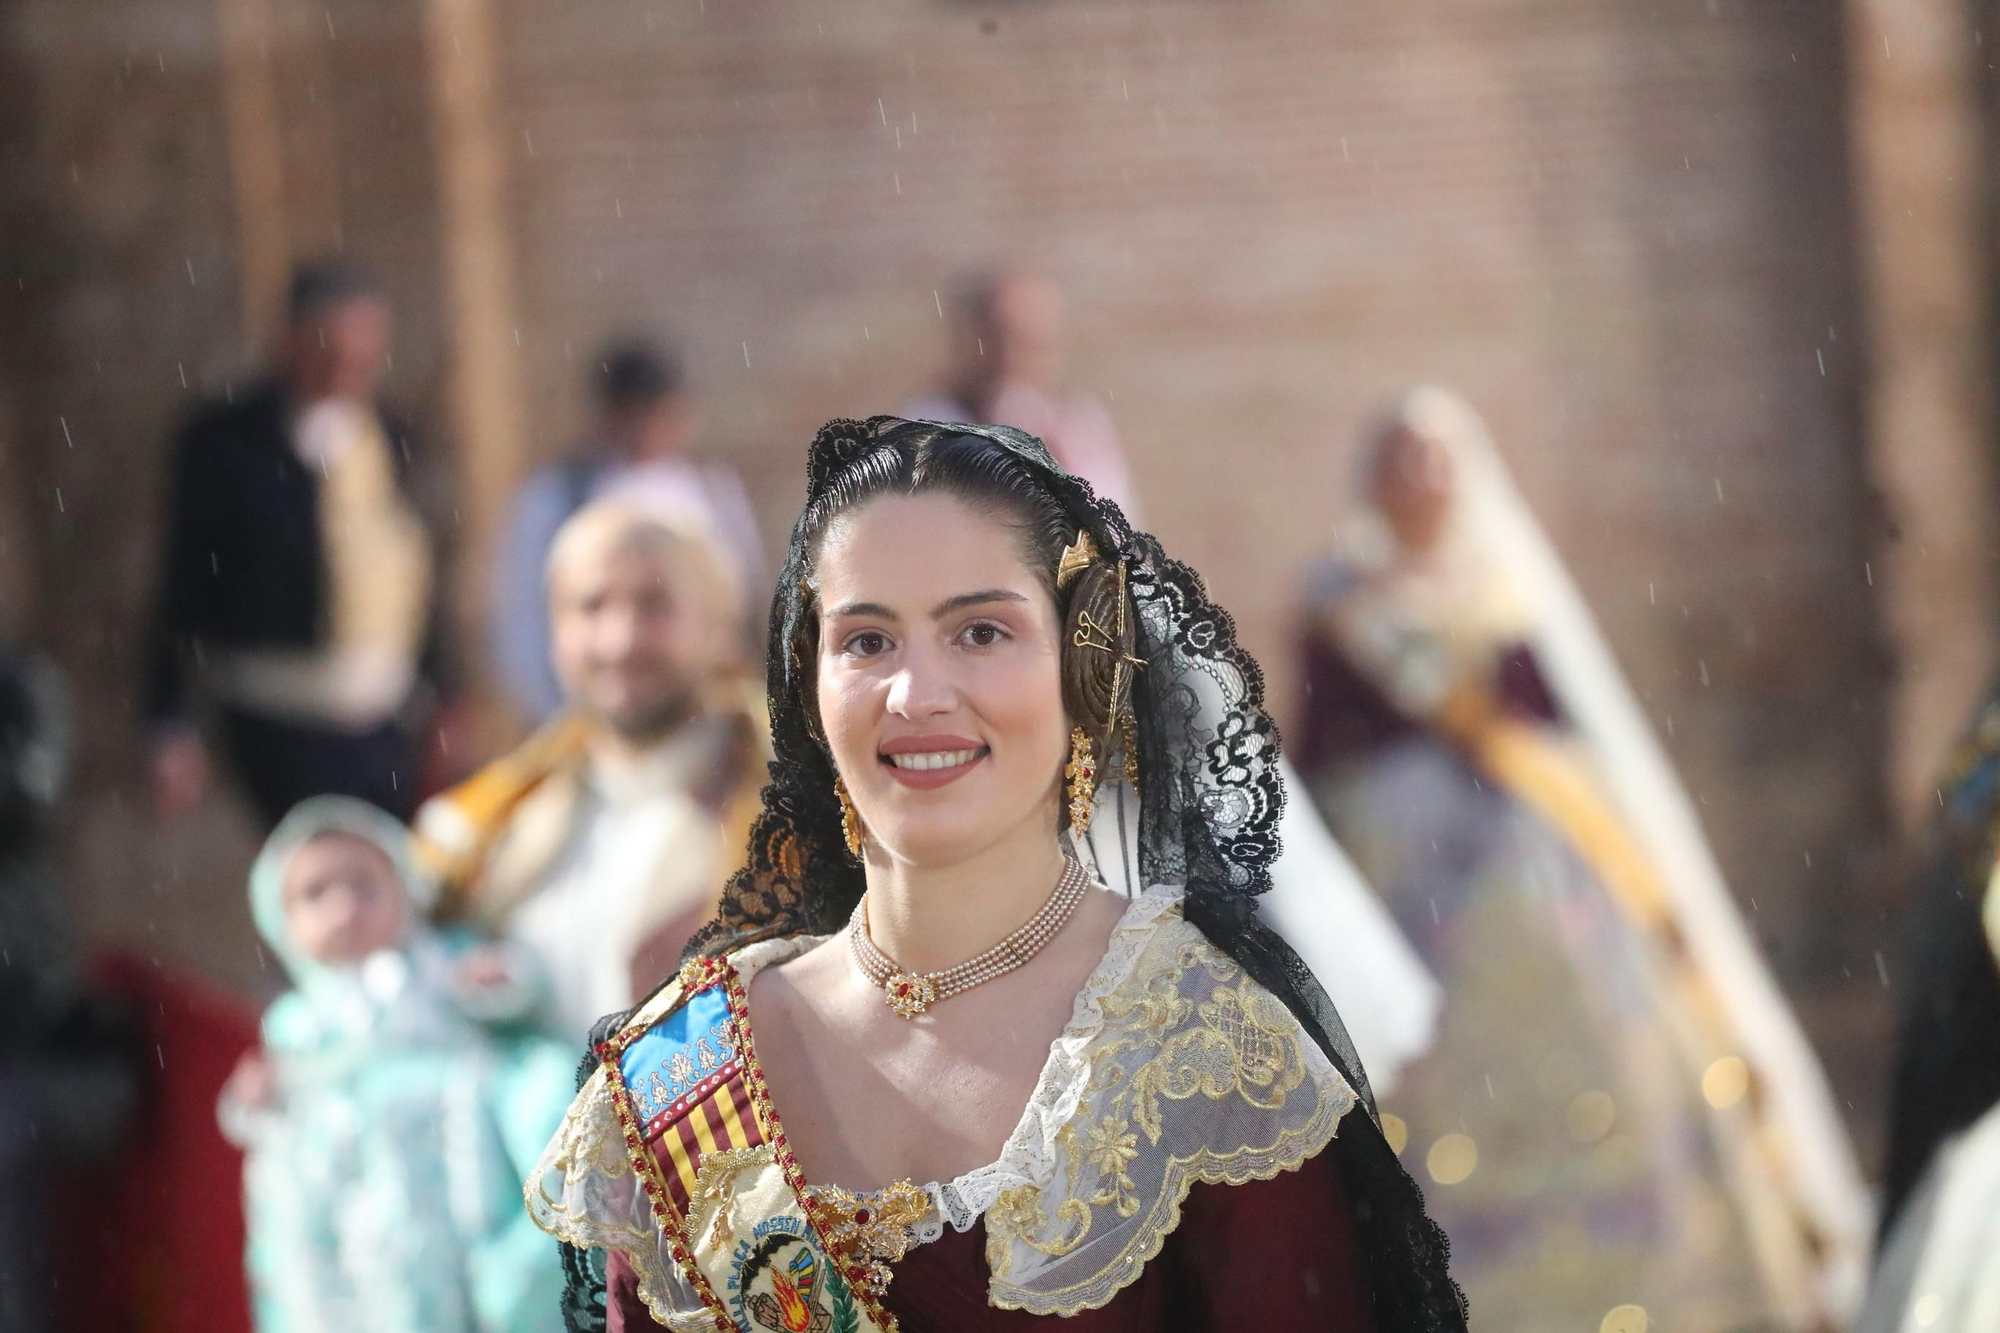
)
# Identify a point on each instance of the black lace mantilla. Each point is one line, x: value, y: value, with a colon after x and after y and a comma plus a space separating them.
x: 1208, y: 803
x: 1210, y: 795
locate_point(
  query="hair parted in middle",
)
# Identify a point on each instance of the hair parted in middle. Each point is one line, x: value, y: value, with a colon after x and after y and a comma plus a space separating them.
x: 922, y: 458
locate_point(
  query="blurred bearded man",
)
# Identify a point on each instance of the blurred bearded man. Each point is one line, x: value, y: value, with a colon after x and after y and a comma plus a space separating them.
x: 603, y: 842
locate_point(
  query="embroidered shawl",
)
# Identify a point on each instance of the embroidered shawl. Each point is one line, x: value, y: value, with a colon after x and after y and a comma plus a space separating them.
x: 1175, y: 1067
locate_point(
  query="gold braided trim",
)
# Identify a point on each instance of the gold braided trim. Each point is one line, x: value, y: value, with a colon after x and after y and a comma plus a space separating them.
x: 603, y: 1128
x: 592, y: 1140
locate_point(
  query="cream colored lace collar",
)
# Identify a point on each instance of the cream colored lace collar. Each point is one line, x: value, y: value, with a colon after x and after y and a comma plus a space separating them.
x: 962, y: 1201
x: 1175, y: 1067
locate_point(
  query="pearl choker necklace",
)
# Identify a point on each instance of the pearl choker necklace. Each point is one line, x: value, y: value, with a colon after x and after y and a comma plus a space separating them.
x: 911, y: 993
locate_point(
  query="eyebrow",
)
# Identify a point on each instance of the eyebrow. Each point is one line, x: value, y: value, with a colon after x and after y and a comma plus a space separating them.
x: 877, y: 611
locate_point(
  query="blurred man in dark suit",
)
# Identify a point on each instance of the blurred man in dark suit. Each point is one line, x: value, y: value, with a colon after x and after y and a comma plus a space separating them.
x: 299, y: 577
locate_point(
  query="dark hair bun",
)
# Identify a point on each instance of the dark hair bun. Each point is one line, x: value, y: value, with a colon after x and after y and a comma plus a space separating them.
x: 1098, y: 637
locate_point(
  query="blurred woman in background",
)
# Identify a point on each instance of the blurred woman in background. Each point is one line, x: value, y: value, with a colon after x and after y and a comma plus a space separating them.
x: 1621, y: 1114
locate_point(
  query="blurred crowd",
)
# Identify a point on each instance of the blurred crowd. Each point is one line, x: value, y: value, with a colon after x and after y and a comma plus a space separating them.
x: 1579, y: 1048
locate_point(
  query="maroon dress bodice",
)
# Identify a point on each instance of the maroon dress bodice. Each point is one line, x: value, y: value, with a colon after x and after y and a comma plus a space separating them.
x: 1272, y: 1256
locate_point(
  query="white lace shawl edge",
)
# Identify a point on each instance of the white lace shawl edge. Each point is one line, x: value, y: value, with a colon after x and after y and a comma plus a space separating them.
x: 1292, y: 1151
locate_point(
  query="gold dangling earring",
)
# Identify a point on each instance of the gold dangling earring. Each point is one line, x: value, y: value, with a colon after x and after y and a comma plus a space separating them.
x: 1081, y: 774
x: 850, y: 818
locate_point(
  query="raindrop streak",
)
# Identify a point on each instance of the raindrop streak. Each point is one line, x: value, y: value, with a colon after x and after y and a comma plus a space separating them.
x: 940, y: 302
x: 746, y: 356
x: 1820, y: 357
x: 66, y: 435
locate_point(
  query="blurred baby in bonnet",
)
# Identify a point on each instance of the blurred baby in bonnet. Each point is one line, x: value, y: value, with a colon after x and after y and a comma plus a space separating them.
x: 401, y: 1096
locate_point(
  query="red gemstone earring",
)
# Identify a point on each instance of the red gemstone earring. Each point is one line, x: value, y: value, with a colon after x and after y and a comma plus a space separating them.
x: 1081, y: 775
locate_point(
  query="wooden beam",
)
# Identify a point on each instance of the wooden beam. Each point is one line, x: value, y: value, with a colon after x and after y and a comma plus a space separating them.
x: 1929, y: 406
x: 484, y: 392
x: 256, y: 161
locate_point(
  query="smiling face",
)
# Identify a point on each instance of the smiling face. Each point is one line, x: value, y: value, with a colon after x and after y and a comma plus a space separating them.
x: 634, y: 631
x: 939, y: 682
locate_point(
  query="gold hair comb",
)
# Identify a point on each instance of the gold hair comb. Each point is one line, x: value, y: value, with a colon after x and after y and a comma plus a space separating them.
x: 1078, y: 556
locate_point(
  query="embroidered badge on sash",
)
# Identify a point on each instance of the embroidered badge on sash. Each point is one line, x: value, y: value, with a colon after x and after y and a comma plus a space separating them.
x: 780, y: 1280
x: 686, y: 1080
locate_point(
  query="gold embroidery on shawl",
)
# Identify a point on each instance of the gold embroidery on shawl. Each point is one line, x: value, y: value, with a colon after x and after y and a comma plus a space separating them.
x: 1159, y: 1045
x: 1016, y: 1215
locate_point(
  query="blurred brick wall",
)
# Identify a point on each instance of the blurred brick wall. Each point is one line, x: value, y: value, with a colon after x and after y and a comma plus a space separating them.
x: 121, y: 304
x: 1623, y: 230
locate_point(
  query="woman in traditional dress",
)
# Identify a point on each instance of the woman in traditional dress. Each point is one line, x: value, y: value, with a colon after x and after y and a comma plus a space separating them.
x: 1623, y: 1122
x: 941, y: 1064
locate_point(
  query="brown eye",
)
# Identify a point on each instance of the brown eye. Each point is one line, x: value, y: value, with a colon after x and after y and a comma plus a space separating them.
x: 982, y: 634
x: 866, y: 643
